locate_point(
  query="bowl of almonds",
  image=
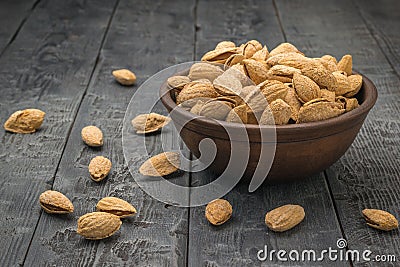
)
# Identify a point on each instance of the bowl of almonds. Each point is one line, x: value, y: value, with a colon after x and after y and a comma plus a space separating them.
x: 315, y: 106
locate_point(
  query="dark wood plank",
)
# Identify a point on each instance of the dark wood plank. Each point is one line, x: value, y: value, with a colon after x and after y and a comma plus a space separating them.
x: 382, y: 19
x: 367, y: 175
x: 237, y: 242
x: 47, y: 67
x: 145, y: 37
x: 13, y: 13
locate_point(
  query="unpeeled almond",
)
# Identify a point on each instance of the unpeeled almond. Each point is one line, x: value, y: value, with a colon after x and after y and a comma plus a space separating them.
x: 160, y: 165
x: 25, y: 121
x: 124, y: 76
x: 116, y: 206
x: 55, y: 202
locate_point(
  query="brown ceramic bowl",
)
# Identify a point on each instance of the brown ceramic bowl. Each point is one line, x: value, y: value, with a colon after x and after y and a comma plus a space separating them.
x: 301, y: 149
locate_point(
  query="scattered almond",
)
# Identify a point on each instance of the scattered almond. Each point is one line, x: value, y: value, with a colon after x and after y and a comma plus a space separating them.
x: 380, y: 219
x: 284, y: 218
x: 124, y: 76
x: 24, y: 121
x: 218, y: 211
x: 161, y: 165
x: 99, y: 168
x: 92, y: 136
x: 116, y: 206
x: 98, y: 225
x: 55, y: 202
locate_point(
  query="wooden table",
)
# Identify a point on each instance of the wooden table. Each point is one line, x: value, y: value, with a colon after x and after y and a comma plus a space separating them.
x: 58, y: 56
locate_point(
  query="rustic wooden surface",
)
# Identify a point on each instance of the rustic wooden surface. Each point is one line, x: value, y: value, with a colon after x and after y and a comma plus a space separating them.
x: 58, y: 56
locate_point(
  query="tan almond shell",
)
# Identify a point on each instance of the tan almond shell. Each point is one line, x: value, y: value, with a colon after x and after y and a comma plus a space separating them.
x: 98, y: 225
x: 317, y: 110
x: 261, y: 55
x: 196, y: 108
x: 355, y: 84
x: 161, y: 165
x: 225, y: 44
x: 343, y: 85
x: 257, y: 71
x: 203, y: 70
x: 294, y: 103
x: 196, y: 90
x: 99, y: 168
x: 124, y: 76
x: 92, y: 136
x: 283, y: 70
x: 227, y: 84
x: 178, y: 82
x: 116, y: 206
x: 251, y: 47
x: 149, y: 123
x: 25, y: 121
x: 237, y: 114
x: 55, y: 202
x: 219, y: 55
x: 218, y: 211
x: 284, y: 48
x: 289, y: 57
x: 346, y: 64
x: 351, y: 103
x: 256, y: 101
x: 284, y: 218
x: 234, y: 59
x: 329, y: 95
x: 380, y: 219
x: 306, y: 89
x: 348, y: 103
x: 328, y: 64
x: 273, y: 90
x: 330, y: 58
x: 279, y: 113
x: 215, y: 109
x: 319, y: 74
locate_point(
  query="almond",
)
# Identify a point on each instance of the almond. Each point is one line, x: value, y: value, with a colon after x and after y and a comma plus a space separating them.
x: 55, y: 202
x: 25, y: 121
x: 99, y: 168
x: 284, y: 218
x: 161, y: 165
x: 124, y: 76
x: 218, y: 211
x: 98, y: 225
x: 116, y: 206
x: 380, y: 219
x: 92, y: 136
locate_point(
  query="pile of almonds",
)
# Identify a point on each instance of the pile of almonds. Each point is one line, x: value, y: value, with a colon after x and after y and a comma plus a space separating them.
x: 249, y: 84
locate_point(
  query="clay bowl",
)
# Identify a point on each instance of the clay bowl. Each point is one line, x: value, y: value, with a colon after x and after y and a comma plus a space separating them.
x: 301, y: 149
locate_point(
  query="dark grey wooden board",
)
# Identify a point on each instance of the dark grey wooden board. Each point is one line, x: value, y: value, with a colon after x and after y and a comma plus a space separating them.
x: 383, y: 21
x: 367, y: 175
x: 237, y: 242
x: 57, y: 62
x: 47, y: 67
x: 145, y: 37
x: 13, y: 14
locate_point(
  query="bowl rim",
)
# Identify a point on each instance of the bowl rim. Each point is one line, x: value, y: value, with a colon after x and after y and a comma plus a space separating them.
x: 351, y: 117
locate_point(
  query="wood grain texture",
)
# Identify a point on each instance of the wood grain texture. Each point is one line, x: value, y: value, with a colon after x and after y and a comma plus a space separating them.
x: 382, y: 20
x: 47, y: 67
x: 367, y: 175
x: 13, y: 13
x: 237, y: 242
x: 144, y: 37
